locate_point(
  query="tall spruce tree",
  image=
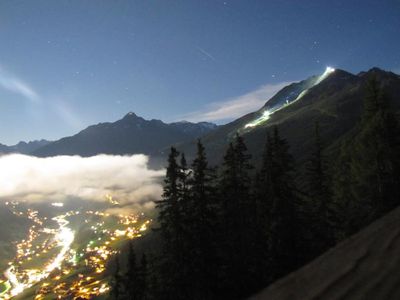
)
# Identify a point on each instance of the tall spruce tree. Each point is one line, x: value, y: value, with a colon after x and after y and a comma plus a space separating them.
x: 201, y: 240
x: 319, y: 215
x: 372, y: 162
x: 376, y: 162
x: 171, y: 220
x: 279, y: 205
x: 132, y: 277
x: 236, y: 216
x: 347, y: 210
x: 284, y: 229
x: 116, y: 283
x: 143, y: 278
x: 184, y: 175
x: 169, y: 209
x: 263, y: 204
x: 184, y: 179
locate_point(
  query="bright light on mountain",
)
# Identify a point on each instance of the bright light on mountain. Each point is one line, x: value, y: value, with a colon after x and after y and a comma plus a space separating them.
x: 329, y: 70
x: 264, y: 117
x: 267, y: 113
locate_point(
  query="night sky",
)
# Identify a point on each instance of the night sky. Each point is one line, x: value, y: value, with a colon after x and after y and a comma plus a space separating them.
x: 65, y: 65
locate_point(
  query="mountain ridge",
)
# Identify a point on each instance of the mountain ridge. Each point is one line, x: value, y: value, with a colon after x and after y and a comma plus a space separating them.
x: 24, y: 147
x: 335, y: 103
x: 131, y: 134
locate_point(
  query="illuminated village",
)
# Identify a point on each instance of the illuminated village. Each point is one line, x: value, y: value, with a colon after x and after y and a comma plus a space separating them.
x: 51, y: 264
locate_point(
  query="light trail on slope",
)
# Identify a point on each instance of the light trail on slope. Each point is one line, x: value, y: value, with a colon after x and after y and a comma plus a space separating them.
x: 267, y: 113
x: 264, y: 117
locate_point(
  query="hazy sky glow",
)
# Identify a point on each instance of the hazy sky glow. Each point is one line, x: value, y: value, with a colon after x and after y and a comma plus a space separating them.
x: 68, y: 64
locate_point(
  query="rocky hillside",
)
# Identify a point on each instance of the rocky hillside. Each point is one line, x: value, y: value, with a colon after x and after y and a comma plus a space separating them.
x: 365, y: 266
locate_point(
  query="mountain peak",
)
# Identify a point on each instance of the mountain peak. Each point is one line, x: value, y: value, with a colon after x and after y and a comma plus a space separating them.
x: 379, y: 73
x: 181, y: 122
x: 339, y: 74
x: 130, y: 115
x: 376, y: 70
x: 130, y: 135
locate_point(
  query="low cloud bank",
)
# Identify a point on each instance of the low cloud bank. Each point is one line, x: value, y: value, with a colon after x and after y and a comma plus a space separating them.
x: 127, y: 178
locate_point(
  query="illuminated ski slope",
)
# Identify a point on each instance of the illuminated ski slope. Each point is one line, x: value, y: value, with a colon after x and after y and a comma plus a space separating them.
x: 266, y: 114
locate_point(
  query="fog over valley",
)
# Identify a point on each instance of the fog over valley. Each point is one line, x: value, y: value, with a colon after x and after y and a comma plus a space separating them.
x: 56, y: 179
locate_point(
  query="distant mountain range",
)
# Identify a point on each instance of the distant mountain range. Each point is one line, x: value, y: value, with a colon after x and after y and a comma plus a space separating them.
x: 334, y: 99
x: 23, y: 147
x: 132, y: 134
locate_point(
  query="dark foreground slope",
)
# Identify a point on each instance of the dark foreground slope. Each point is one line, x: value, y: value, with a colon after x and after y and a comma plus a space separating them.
x: 365, y: 266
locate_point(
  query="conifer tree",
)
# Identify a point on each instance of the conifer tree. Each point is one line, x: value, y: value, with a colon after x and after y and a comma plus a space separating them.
x: 227, y: 191
x: 143, y: 278
x: 184, y: 175
x: 319, y: 216
x: 184, y: 179
x: 278, y: 202
x: 376, y: 163
x: 284, y: 229
x: 116, y: 283
x: 263, y: 204
x: 171, y: 220
x: 237, y: 229
x: 169, y: 211
x: 203, y: 220
x: 347, y: 209
x: 372, y: 164
x: 132, y: 275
